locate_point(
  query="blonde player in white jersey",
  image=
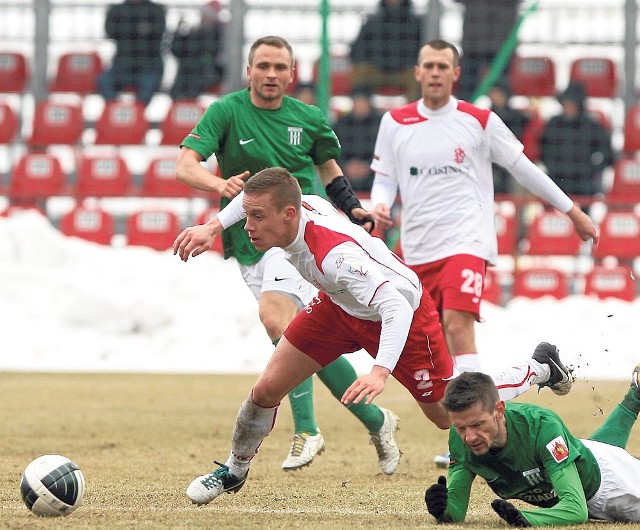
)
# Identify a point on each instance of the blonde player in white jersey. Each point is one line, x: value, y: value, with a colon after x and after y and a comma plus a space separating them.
x: 437, y: 152
x: 369, y: 299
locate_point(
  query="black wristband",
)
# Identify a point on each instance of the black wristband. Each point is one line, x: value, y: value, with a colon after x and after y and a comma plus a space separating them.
x: 343, y: 197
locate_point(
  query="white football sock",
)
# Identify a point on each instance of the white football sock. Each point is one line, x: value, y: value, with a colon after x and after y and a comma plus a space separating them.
x: 468, y: 362
x: 253, y: 424
x: 516, y: 380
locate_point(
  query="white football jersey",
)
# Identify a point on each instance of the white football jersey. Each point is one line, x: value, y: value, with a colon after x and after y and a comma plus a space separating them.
x: 343, y: 260
x: 441, y: 160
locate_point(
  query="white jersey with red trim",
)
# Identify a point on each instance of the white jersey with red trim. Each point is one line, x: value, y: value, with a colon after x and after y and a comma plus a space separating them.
x: 343, y: 260
x: 441, y: 161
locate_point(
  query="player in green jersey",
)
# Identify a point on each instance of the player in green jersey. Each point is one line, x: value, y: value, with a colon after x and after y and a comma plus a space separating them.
x: 250, y: 130
x: 526, y: 452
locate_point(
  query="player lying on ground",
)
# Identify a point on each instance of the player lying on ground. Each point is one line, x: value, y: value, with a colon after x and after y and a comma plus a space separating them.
x: 526, y: 452
x: 368, y: 300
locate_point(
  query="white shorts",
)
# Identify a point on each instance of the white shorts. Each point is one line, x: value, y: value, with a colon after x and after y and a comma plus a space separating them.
x: 273, y: 273
x: 618, y: 497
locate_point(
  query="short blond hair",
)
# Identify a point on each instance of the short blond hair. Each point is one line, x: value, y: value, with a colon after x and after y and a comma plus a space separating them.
x: 284, y: 188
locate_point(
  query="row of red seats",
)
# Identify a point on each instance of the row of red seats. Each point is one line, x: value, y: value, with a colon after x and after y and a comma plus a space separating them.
x: 40, y: 175
x: 156, y: 228
x: 552, y: 233
x: 121, y: 123
x: 529, y: 76
x: 602, y: 281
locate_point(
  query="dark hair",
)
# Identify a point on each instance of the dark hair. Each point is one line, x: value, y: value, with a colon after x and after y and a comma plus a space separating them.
x: 284, y: 188
x: 469, y: 388
x: 270, y: 40
x: 439, y: 44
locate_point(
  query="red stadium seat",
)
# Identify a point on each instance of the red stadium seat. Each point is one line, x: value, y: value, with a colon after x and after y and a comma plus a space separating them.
x: 531, y: 135
x: 533, y: 76
x: 77, y: 72
x: 37, y: 176
x: 625, y: 189
x: 122, y: 123
x: 56, y: 123
x: 203, y: 218
x: 619, y: 236
x: 492, y: 290
x: 14, y: 74
x: 507, y: 232
x: 181, y: 118
x: 295, y: 79
x: 553, y: 233
x: 601, y: 117
x: 539, y: 282
x: 611, y: 282
x: 598, y: 74
x: 340, y: 75
x: 92, y: 224
x: 153, y: 228
x: 9, y: 123
x: 632, y: 130
x: 160, y: 180
x: 103, y: 176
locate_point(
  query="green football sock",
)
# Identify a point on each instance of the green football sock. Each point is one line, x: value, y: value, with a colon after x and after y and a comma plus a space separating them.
x: 301, y: 401
x: 337, y: 377
x: 616, y: 429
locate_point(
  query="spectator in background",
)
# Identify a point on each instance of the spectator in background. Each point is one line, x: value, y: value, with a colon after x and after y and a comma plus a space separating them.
x: 574, y: 147
x: 384, y: 52
x: 485, y: 27
x: 137, y: 26
x: 357, y: 132
x: 305, y: 92
x: 199, y: 53
x: 515, y: 120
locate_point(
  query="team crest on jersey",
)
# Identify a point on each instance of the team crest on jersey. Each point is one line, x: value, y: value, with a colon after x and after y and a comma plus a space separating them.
x: 295, y: 135
x: 533, y: 476
x: 459, y: 155
x: 558, y: 449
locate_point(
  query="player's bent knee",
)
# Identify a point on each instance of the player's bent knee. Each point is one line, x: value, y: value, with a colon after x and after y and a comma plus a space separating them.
x: 266, y: 396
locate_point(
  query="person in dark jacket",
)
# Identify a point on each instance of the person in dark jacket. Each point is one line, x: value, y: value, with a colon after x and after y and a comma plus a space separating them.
x: 485, y: 27
x: 386, y: 50
x: 574, y: 147
x: 357, y: 132
x: 199, y: 53
x: 137, y: 26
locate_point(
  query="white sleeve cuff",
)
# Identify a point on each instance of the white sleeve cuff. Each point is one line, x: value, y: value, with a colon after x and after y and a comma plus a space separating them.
x: 232, y: 212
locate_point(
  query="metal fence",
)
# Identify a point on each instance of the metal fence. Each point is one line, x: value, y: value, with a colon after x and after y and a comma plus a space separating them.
x: 564, y: 29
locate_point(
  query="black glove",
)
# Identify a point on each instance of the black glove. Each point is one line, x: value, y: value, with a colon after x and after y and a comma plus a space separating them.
x: 510, y: 513
x: 436, y: 498
x: 341, y: 193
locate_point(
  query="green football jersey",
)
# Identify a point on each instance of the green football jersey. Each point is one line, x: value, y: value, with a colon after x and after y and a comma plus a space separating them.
x: 244, y: 137
x: 538, y: 445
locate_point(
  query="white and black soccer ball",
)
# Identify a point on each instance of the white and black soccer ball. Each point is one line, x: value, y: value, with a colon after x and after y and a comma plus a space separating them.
x: 52, y: 485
